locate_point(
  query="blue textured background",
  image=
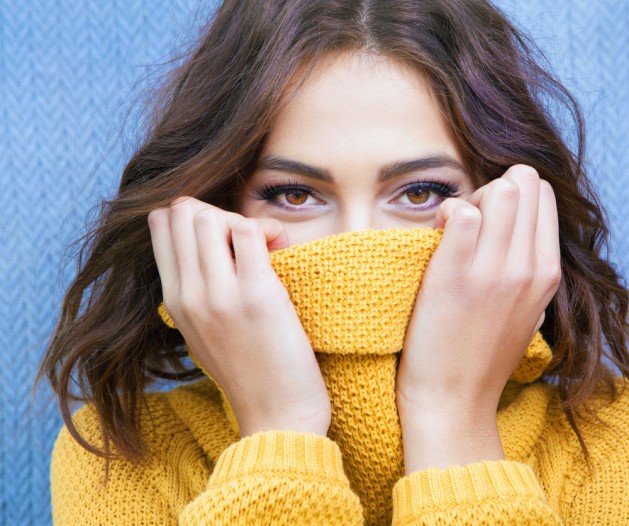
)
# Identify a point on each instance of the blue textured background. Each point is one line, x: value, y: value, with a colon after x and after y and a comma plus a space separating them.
x: 70, y: 73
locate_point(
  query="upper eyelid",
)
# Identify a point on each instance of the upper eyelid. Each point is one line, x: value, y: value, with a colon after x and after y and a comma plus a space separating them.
x: 453, y: 186
x: 271, y: 191
x: 286, y: 184
x: 416, y: 181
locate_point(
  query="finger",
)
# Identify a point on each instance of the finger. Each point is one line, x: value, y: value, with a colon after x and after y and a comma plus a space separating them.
x: 498, y: 204
x: 252, y: 256
x: 161, y: 240
x: 524, y: 230
x: 273, y: 230
x: 461, y: 223
x: 275, y: 233
x: 215, y: 258
x: 548, y: 263
x: 182, y: 212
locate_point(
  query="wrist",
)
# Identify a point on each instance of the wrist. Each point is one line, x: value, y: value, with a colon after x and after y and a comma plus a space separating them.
x: 303, y: 421
x: 445, y: 436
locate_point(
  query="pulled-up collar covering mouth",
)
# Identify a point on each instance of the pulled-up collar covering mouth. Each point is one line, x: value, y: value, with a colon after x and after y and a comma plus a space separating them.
x: 354, y: 292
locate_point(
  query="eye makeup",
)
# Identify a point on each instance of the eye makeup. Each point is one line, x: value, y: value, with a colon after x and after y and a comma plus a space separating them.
x: 418, y: 193
x: 421, y: 195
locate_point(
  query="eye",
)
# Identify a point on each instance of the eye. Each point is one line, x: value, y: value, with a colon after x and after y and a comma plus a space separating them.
x: 423, y: 195
x: 288, y: 195
x: 417, y: 196
x: 296, y: 197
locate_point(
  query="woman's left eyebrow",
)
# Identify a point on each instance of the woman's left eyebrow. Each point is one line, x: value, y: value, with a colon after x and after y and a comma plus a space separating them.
x: 385, y: 173
x: 418, y: 165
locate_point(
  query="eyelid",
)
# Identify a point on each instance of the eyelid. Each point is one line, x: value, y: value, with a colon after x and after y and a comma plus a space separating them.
x: 270, y: 191
x: 284, y: 185
x: 441, y: 188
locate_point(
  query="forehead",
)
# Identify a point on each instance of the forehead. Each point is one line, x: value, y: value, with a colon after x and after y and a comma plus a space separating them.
x: 363, y: 82
x: 350, y: 99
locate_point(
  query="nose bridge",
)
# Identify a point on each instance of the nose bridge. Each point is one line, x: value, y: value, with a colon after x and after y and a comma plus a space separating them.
x: 356, y: 215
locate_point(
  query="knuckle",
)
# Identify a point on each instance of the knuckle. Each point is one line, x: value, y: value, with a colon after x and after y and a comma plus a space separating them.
x: 181, y: 200
x: 220, y: 309
x: 524, y: 170
x: 522, y: 278
x: 484, y: 282
x: 256, y: 301
x: 467, y: 215
x: 189, y: 303
x: 552, y: 275
x: 254, y: 305
x: 247, y: 227
x: 157, y: 217
x: 546, y: 188
x: 181, y: 205
x: 504, y: 284
x: 206, y: 216
x: 505, y: 189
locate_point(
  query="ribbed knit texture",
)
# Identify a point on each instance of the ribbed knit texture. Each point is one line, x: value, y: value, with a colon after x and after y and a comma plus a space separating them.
x: 201, y: 473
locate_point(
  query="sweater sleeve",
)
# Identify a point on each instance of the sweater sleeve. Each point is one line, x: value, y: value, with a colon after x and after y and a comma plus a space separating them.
x: 497, y: 492
x: 277, y: 478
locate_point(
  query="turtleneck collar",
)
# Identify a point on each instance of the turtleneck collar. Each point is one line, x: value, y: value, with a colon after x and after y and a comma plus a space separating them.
x: 354, y: 292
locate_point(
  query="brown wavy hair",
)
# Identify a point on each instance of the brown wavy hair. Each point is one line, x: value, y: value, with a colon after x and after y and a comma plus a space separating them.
x: 207, y: 126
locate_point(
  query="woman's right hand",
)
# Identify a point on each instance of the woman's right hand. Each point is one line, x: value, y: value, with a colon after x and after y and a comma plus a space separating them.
x: 236, y: 316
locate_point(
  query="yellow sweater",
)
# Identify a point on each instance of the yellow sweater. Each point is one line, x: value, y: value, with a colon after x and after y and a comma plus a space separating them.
x: 354, y: 294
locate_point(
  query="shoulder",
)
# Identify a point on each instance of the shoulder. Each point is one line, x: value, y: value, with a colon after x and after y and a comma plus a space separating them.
x: 584, y: 488
x: 161, y: 413
x: 158, y: 416
x: 176, y: 455
x: 605, y: 416
x: 190, y: 411
x: 603, y: 425
x: 595, y: 484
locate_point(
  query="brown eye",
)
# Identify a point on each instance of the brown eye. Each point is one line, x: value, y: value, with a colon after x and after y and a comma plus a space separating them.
x: 296, y: 197
x: 418, y: 196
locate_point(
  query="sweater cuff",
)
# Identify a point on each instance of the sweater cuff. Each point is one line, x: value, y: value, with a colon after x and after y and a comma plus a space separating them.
x: 434, y: 490
x: 304, y: 454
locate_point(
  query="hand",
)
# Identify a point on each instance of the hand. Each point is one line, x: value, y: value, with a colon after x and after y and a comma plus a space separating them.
x: 480, y: 303
x: 236, y: 316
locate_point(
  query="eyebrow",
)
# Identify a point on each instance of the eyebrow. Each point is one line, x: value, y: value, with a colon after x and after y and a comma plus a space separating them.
x: 385, y: 173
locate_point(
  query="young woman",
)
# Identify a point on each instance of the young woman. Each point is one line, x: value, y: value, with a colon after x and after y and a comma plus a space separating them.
x: 351, y: 381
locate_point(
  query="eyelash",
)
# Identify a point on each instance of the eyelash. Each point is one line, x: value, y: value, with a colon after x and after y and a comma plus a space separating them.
x: 442, y: 188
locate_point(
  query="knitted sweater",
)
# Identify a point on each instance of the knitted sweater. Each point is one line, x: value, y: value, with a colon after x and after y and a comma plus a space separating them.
x: 354, y: 294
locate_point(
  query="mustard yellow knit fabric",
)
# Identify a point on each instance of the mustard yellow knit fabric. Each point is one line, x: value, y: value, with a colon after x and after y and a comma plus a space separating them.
x: 354, y: 294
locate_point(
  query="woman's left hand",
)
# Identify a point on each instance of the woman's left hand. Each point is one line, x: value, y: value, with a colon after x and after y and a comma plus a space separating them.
x: 480, y: 303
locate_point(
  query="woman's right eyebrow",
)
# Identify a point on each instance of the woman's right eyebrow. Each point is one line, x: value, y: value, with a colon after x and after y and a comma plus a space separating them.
x: 280, y: 164
x: 389, y: 171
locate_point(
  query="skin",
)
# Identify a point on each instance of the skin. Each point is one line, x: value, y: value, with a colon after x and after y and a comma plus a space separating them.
x: 481, y: 300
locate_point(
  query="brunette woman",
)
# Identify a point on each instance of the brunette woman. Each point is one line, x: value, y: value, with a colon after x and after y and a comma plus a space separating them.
x: 343, y: 379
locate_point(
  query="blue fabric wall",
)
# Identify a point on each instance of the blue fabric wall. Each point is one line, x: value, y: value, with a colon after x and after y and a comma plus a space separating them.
x: 70, y: 72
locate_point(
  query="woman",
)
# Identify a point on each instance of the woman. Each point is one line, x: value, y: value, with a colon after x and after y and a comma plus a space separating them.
x: 322, y: 132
